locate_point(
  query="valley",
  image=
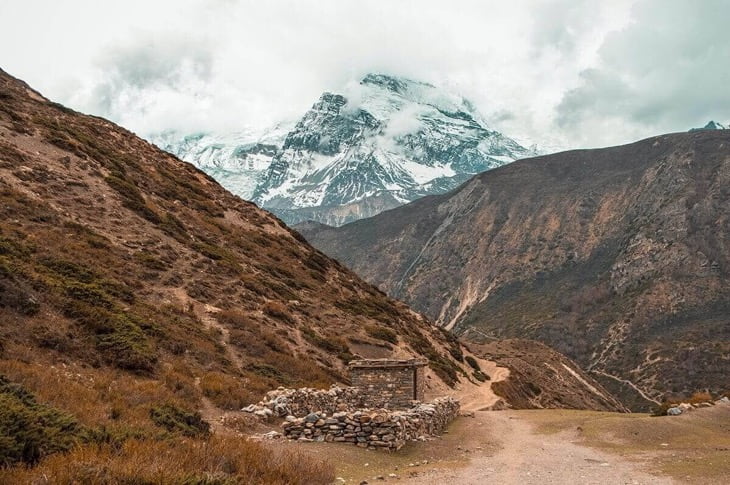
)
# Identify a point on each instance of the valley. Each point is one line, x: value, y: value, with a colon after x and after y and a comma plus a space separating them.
x: 616, y: 257
x: 349, y: 243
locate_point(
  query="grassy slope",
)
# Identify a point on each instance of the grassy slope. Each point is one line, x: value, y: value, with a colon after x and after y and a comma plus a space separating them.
x: 129, y: 279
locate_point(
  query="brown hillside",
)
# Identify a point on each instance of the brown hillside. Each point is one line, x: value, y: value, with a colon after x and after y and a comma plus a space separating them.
x: 541, y: 378
x: 129, y: 279
x: 618, y: 258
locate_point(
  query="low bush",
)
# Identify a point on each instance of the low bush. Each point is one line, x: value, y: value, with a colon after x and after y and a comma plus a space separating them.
x: 132, y: 198
x: 127, y: 347
x: 227, y: 392
x: 382, y: 333
x: 30, y: 430
x: 699, y: 397
x: 278, y: 311
x: 472, y: 362
x: 176, y: 420
x: 480, y: 376
x: 330, y: 344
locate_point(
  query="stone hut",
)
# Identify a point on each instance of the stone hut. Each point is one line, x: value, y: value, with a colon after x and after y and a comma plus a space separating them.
x: 389, y: 383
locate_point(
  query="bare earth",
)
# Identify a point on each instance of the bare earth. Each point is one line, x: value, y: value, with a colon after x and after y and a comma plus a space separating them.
x: 527, y: 457
x: 545, y: 446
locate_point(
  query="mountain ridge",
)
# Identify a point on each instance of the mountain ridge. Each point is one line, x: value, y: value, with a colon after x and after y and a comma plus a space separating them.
x: 116, y: 254
x: 606, y: 246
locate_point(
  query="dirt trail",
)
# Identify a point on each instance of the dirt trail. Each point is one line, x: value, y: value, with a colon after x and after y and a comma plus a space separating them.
x: 526, y: 458
x: 481, y: 397
x: 209, y: 411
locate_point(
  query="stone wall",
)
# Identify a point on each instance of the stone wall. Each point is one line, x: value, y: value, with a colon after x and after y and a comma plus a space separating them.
x: 389, y: 384
x: 375, y: 429
x: 303, y: 401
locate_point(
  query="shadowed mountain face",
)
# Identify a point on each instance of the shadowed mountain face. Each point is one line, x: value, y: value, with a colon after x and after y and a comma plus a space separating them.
x: 618, y: 257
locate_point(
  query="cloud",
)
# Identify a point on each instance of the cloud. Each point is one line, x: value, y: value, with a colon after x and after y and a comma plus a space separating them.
x: 404, y: 122
x: 667, y: 71
x: 560, y: 73
x: 151, y: 82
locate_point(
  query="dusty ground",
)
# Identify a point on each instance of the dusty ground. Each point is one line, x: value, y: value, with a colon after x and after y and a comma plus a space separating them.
x: 526, y: 457
x: 551, y: 447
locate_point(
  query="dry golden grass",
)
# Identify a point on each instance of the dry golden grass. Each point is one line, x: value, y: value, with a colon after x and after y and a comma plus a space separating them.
x: 97, y: 397
x: 216, y: 461
x: 228, y: 392
x: 700, y: 397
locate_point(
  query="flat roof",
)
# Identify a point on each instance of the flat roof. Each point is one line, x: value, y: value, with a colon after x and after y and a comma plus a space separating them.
x: 386, y: 363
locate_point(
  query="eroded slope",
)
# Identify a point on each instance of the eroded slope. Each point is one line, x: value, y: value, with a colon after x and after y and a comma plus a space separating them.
x: 618, y: 257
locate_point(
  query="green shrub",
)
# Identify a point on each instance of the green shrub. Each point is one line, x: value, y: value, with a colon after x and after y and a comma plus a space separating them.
x: 151, y: 261
x: 178, y: 420
x: 382, y: 333
x: 68, y: 269
x: 127, y: 347
x: 472, y: 362
x: 132, y: 198
x: 119, y: 336
x: 30, y: 430
x: 15, y: 294
x: 480, y: 376
x: 333, y: 345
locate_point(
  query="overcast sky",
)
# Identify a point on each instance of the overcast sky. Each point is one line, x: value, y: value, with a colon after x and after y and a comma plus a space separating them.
x: 561, y: 74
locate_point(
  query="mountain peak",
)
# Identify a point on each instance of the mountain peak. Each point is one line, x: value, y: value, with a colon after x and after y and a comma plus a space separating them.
x: 382, y: 142
x: 392, y: 83
x: 711, y: 125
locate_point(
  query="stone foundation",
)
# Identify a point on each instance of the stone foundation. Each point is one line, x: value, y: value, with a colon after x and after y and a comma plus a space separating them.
x: 374, y: 429
x: 340, y: 414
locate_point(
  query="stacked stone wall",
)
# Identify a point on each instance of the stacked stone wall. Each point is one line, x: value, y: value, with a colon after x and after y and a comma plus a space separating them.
x: 387, y: 388
x: 374, y: 429
x: 300, y: 402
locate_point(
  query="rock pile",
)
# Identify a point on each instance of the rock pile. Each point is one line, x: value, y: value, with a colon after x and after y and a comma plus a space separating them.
x: 374, y: 428
x: 303, y: 401
x: 685, y: 407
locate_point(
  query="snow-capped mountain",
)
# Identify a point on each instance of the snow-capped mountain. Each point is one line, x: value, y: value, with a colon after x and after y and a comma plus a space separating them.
x: 384, y: 142
x: 238, y: 161
x: 712, y: 125
x: 387, y: 142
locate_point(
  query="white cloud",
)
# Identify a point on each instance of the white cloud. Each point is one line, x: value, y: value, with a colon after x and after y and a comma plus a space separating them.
x: 539, y: 70
x: 404, y: 122
x: 667, y: 71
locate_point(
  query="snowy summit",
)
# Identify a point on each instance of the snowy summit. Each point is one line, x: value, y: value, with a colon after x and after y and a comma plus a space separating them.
x: 385, y: 142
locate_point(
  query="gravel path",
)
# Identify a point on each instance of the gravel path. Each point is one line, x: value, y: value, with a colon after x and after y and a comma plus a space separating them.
x: 527, y: 458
